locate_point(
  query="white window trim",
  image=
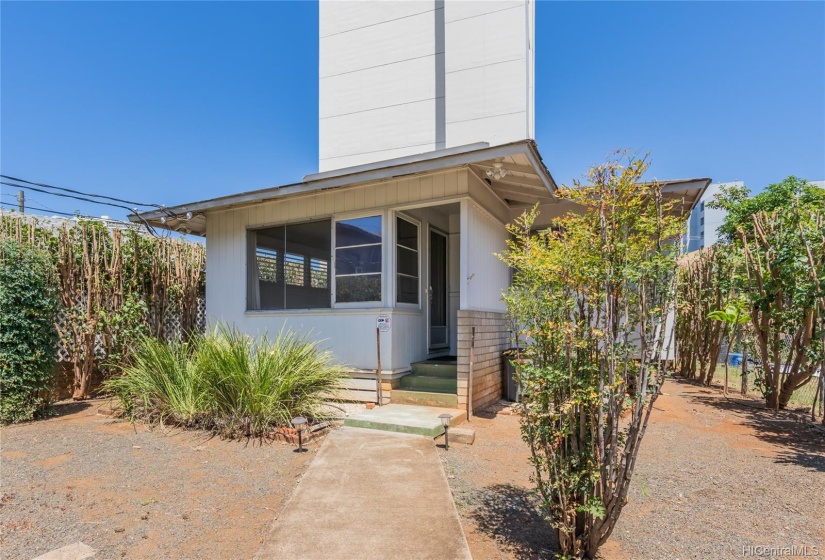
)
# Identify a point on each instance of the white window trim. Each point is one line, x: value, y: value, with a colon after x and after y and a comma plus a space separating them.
x: 418, y: 224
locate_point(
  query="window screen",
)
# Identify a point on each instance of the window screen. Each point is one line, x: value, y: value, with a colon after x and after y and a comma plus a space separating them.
x: 406, y: 261
x: 289, y: 266
x: 358, y: 260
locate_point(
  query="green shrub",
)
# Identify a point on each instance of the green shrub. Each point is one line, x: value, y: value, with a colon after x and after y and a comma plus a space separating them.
x: 161, y: 383
x: 228, y: 382
x: 28, y: 304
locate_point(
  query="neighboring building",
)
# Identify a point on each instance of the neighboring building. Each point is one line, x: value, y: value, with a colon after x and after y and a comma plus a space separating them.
x: 405, y: 78
x: 704, y: 221
x: 401, y: 237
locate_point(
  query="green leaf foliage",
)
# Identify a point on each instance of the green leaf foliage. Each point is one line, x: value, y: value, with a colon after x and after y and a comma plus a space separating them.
x: 741, y: 207
x: 587, y: 303
x: 228, y: 382
x: 28, y: 305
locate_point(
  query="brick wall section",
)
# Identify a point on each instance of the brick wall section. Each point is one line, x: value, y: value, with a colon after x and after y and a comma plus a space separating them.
x: 492, y: 337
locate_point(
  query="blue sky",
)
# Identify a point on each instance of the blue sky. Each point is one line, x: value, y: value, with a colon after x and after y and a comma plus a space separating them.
x: 173, y: 102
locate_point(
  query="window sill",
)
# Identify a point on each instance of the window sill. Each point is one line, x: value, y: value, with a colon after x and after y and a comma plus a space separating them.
x: 331, y: 311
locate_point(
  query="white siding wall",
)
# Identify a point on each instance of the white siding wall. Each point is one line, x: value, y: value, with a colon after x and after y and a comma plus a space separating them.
x: 377, y: 80
x: 350, y: 333
x: 484, y: 275
x: 401, y: 78
x: 489, y: 71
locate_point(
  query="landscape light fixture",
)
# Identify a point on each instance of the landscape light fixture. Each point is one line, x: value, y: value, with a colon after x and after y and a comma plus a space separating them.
x: 498, y: 172
x: 445, y: 421
x: 300, y: 424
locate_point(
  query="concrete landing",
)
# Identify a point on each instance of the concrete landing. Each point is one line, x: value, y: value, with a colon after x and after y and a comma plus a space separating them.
x: 405, y: 419
x: 369, y: 495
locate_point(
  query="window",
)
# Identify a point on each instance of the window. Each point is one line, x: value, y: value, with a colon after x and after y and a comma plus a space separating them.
x: 288, y: 266
x: 406, y: 273
x: 358, y: 260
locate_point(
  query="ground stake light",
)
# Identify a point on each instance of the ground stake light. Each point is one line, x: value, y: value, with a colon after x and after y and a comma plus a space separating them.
x: 300, y: 424
x: 445, y: 421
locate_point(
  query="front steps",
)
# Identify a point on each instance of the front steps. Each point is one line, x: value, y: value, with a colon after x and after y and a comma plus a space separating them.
x: 432, y: 383
x: 429, y: 390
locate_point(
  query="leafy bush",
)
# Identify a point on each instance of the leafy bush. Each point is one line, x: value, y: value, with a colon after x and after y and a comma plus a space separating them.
x: 28, y: 303
x: 228, y: 382
x: 588, y: 304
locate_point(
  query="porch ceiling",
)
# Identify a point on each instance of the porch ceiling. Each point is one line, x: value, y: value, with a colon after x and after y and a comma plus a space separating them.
x: 521, y: 186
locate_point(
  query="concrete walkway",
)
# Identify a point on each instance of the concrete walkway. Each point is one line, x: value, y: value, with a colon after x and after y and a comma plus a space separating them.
x: 370, y: 495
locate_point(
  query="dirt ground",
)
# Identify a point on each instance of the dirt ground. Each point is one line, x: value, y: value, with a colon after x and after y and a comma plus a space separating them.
x: 712, y: 477
x: 131, y: 492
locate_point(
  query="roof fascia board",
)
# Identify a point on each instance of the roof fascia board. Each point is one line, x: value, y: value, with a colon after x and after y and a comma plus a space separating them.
x: 544, y: 173
x: 378, y: 174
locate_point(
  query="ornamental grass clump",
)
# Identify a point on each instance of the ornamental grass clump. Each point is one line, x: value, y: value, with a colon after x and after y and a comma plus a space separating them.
x: 229, y: 383
x: 163, y: 383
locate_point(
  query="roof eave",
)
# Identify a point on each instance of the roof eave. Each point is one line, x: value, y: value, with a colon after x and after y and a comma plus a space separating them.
x: 358, y: 175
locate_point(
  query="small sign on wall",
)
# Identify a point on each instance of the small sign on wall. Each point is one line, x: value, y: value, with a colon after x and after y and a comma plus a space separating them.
x: 383, y: 322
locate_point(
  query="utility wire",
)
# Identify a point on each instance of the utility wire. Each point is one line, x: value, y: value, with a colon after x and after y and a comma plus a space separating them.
x: 78, y: 216
x: 158, y: 206
x: 29, y: 207
x: 28, y: 200
x: 69, y: 196
x: 133, y: 210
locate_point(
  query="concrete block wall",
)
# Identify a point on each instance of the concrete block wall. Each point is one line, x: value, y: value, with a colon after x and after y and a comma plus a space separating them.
x: 491, y: 339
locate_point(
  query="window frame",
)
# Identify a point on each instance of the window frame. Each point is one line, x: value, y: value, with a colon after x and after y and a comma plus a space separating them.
x: 417, y: 223
x: 307, y: 265
x: 343, y: 217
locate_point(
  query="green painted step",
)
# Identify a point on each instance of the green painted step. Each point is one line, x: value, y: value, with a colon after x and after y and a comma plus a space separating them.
x: 417, y: 382
x: 424, y: 398
x: 436, y: 368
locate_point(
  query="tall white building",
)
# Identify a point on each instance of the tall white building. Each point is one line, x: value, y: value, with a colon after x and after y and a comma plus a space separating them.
x: 704, y: 221
x: 405, y: 78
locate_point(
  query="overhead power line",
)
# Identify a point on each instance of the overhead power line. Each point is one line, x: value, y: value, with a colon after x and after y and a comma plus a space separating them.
x: 73, y: 191
x: 84, y: 199
x: 133, y: 210
x: 29, y: 201
x: 30, y: 207
x: 66, y: 214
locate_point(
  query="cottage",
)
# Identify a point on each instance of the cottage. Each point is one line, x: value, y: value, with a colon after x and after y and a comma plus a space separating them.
x: 425, y: 120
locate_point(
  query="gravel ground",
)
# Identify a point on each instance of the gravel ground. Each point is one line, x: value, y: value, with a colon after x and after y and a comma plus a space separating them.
x: 712, y: 477
x: 131, y: 492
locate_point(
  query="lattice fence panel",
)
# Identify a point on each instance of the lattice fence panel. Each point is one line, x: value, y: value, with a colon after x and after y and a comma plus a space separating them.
x: 171, y: 331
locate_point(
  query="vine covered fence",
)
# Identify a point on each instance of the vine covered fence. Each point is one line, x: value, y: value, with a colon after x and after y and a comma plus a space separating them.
x: 114, y: 285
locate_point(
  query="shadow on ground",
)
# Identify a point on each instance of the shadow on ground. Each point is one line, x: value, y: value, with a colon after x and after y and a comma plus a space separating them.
x: 509, y: 513
x: 68, y: 407
x: 801, y: 443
